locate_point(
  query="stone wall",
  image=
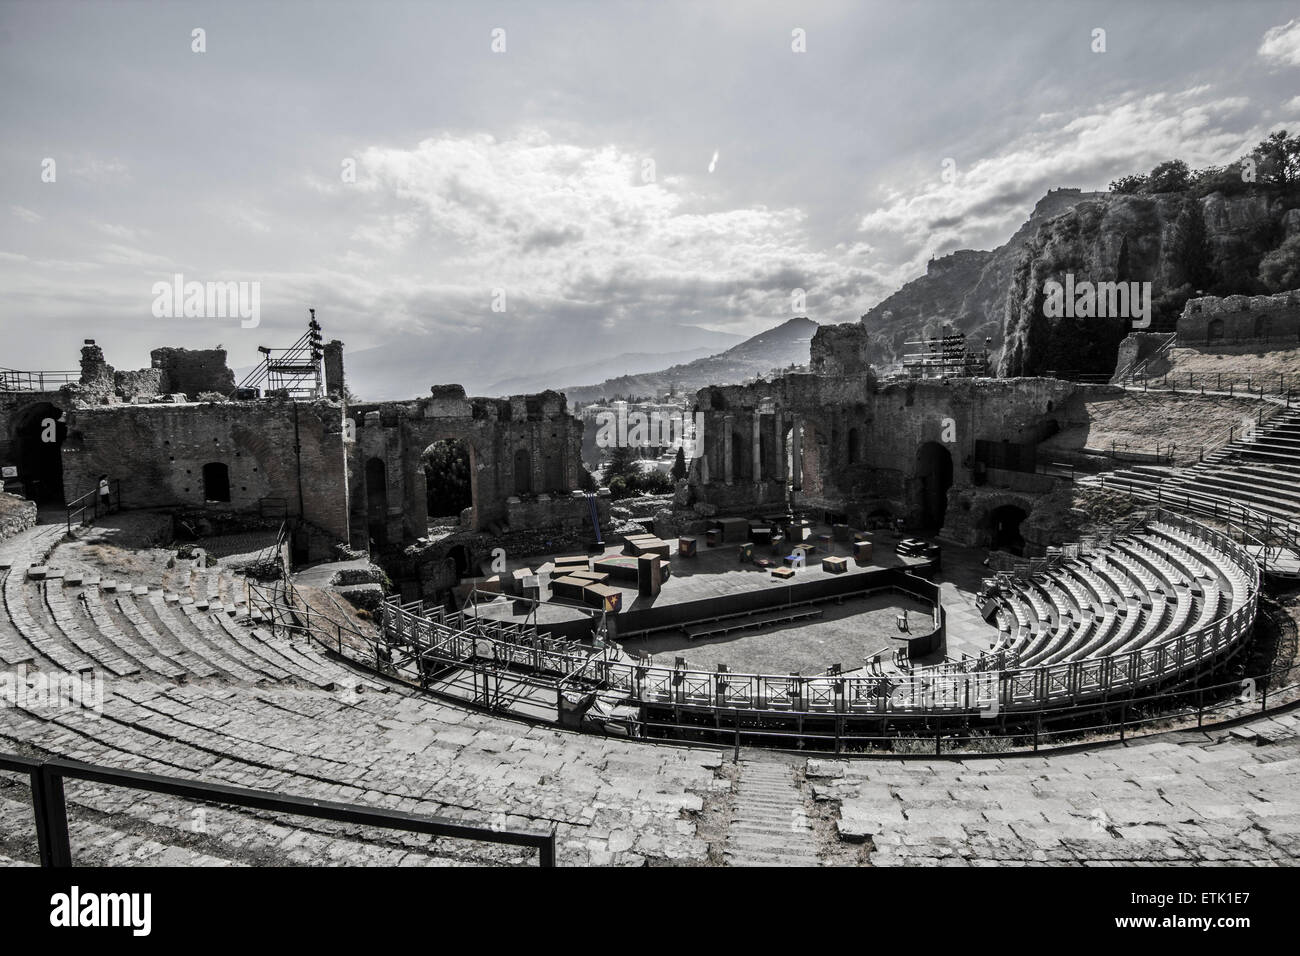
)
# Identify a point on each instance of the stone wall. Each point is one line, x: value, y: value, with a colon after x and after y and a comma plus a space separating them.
x: 194, y: 371
x: 16, y: 514
x: 863, y: 448
x: 159, y: 452
x: 1242, y: 318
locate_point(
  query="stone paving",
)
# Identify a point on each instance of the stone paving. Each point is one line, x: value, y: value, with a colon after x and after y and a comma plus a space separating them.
x: 1223, y: 797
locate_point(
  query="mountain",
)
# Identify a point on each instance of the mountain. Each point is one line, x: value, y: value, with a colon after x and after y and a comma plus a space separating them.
x: 966, y: 289
x: 780, y: 346
x: 514, y: 354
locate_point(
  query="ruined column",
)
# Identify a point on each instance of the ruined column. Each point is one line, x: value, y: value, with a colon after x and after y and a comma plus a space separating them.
x: 778, y: 445
x: 758, y: 448
x: 796, y: 455
x: 726, y: 448
x: 333, y: 351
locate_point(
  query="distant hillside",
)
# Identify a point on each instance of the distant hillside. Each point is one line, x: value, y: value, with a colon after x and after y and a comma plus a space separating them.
x: 516, y: 356
x: 628, y: 363
x: 786, y: 344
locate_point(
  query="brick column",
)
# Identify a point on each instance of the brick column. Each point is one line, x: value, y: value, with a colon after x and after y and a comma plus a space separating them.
x: 758, y: 448
x: 726, y: 448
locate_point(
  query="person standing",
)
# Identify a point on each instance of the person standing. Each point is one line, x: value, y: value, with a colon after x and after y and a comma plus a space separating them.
x: 104, y: 494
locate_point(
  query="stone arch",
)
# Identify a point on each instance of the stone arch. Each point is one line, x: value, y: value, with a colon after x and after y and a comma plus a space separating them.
x: 451, y: 479
x: 1214, y: 331
x: 38, y: 433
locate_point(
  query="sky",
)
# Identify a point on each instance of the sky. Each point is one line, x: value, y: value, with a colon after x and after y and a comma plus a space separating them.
x: 620, y: 169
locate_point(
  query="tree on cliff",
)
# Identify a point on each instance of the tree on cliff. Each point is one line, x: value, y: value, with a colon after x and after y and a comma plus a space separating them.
x: 1169, y: 177
x: 679, y: 464
x: 1280, y: 269
x: 1278, y: 158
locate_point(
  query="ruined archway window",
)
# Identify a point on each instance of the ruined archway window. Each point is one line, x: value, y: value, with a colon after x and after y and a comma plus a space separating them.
x: 523, y: 472
x: 377, y: 501
x: 449, y: 478
x: 932, y: 480
x: 1214, y: 332
x: 216, y: 481
x: 853, y: 446
x: 742, y: 456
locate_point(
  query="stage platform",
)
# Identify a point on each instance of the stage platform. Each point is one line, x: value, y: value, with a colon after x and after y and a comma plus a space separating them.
x: 714, y: 582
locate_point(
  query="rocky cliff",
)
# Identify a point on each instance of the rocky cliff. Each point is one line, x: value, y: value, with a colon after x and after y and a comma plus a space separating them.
x: 1181, y: 244
x: 966, y: 289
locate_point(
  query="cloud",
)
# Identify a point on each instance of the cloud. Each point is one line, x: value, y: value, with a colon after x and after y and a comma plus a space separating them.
x: 991, y: 195
x: 25, y: 214
x: 1281, y: 45
x: 564, y: 228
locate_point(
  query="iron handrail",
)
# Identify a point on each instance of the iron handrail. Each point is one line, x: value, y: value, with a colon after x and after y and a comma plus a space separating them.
x: 50, y: 807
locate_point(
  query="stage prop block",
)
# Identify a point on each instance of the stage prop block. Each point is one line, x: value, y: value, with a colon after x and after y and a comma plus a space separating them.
x: 569, y: 588
x: 686, y: 547
x: 824, y: 540
x: 746, y: 552
x: 778, y: 544
x: 649, y: 579
x: 795, y: 560
x: 834, y: 565
x: 572, y: 562
x: 595, y: 577
x: 841, y: 532
x: 712, y: 537
x: 762, y: 534
x: 782, y: 573
x: 797, y: 530
x: 516, y: 579
x: 533, y: 587
x: 734, y: 530
x: 619, y: 566
x: 862, y: 552
x: 648, y: 544
x: 603, y: 597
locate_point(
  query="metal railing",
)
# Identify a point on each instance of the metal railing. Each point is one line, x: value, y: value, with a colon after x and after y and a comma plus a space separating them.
x: 15, y: 380
x: 49, y: 805
x: 86, y: 508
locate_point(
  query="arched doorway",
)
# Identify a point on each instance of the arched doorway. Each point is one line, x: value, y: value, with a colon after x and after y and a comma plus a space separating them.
x: 38, y: 439
x: 1214, y: 331
x: 523, y: 472
x: 216, y: 482
x: 449, y: 478
x: 932, y: 480
x: 853, y: 446
x: 377, y: 501
x: 1004, y: 529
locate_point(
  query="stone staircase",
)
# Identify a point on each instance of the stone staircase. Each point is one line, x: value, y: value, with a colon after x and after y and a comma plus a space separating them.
x: 770, y: 825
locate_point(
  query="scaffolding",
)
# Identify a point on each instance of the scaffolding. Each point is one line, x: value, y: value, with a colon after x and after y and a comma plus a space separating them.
x: 293, y: 372
x: 944, y: 356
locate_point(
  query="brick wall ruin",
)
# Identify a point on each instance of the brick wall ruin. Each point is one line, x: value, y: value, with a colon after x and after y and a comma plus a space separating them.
x: 1241, y: 318
x: 193, y: 455
x: 927, y: 451
x: 519, y: 446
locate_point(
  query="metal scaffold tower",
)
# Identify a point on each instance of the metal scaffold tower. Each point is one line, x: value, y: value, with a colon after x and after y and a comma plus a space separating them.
x: 944, y: 356
x: 294, y: 372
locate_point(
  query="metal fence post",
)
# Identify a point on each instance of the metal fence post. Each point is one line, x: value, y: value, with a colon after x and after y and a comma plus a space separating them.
x: 51, y: 818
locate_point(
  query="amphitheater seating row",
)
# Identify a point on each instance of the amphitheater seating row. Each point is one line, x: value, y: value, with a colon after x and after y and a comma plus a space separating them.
x: 1135, y: 591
